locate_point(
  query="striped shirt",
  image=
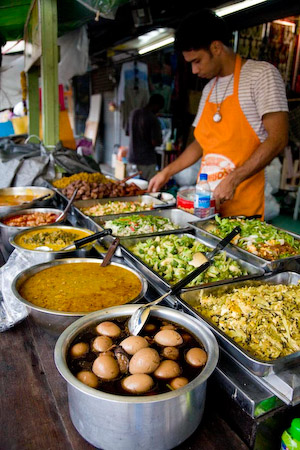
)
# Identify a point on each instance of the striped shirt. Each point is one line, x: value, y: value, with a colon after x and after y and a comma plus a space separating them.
x: 261, y: 91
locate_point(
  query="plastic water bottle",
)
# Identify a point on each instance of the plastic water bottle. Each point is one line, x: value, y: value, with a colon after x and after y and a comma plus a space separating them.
x: 202, y: 197
x: 290, y: 439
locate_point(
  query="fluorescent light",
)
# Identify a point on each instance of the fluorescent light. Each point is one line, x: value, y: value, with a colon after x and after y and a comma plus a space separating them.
x: 237, y: 7
x: 156, y: 45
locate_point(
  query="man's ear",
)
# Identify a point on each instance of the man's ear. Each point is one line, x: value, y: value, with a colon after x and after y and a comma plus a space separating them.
x: 216, y: 47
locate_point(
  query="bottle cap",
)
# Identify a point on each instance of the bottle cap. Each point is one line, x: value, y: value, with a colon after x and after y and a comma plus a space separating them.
x: 203, y: 176
x: 295, y: 429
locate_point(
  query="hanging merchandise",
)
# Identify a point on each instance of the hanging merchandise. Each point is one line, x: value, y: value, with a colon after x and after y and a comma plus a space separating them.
x: 133, y: 90
x: 103, y: 8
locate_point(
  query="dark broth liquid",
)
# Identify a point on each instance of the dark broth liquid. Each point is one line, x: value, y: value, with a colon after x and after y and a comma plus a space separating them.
x: 114, y: 387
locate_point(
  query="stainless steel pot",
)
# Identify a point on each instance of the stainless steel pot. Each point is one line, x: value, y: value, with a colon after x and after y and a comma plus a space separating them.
x: 115, y: 422
x: 51, y: 255
x: 8, y: 232
x: 37, y: 191
x: 56, y: 321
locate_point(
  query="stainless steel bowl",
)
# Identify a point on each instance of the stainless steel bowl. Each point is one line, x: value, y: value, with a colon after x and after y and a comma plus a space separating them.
x: 57, y: 321
x: 37, y: 191
x: 8, y: 232
x: 51, y: 255
x: 115, y: 422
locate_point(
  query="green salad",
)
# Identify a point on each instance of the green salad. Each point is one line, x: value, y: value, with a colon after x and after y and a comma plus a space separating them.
x: 257, y: 237
x: 170, y: 255
x: 139, y: 224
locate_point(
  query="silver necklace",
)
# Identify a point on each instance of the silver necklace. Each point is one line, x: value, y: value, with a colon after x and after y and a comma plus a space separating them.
x: 217, y: 116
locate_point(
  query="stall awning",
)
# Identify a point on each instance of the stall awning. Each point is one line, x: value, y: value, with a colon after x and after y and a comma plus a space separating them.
x: 13, y: 14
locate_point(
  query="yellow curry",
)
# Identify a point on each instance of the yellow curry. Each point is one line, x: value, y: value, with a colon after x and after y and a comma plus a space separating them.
x: 13, y: 200
x: 53, y: 237
x: 81, y: 287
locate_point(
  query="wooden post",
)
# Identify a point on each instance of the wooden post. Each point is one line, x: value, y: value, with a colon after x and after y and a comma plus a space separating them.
x: 33, y: 100
x: 49, y: 71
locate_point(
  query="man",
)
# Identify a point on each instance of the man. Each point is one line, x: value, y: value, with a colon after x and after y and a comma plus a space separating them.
x: 145, y: 134
x: 242, y: 121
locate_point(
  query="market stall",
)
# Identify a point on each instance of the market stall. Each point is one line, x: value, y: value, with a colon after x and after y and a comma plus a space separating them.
x: 251, y: 395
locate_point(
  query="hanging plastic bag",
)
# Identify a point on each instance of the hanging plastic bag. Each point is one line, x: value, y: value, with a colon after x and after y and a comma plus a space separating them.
x: 105, y: 8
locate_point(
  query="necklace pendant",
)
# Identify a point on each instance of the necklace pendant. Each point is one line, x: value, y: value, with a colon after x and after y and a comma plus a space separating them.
x: 217, y: 117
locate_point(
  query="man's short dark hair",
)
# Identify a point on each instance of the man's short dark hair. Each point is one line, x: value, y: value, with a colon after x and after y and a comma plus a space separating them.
x: 198, y: 30
x: 157, y: 100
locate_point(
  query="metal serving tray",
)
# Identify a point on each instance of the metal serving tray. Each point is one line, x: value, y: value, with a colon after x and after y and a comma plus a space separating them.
x: 77, y: 218
x: 256, y: 366
x: 292, y: 263
x: 176, y: 216
x: 161, y: 284
x: 148, y: 199
x: 36, y: 191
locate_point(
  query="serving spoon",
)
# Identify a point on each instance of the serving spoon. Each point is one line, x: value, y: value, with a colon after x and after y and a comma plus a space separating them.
x: 64, y: 213
x: 79, y: 242
x: 37, y: 199
x: 140, y: 316
x: 110, y: 252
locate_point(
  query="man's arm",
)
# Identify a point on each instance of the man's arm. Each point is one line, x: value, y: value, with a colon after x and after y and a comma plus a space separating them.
x: 276, y: 125
x: 191, y: 154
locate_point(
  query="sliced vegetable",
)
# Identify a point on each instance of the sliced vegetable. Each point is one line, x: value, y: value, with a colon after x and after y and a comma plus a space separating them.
x: 170, y: 255
x: 263, y: 319
x: 139, y: 224
x: 258, y: 238
x: 102, y: 209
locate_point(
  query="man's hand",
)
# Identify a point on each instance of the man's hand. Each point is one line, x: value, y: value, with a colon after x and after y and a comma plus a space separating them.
x: 158, y: 181
x: 225, y: 190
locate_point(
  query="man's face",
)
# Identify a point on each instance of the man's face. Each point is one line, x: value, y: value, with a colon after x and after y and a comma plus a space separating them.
x: 204, y: 63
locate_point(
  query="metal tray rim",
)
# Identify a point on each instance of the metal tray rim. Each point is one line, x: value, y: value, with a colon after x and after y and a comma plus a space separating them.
x: 152, y: 212
x: 252, y: 255
x: 265, y: 364
x: 167, y: 285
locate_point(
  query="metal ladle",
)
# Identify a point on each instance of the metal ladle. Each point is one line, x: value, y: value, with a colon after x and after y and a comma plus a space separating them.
x: 110, y: 252
x: 140, y: 316
x: 79, y: 242
x: 63, y: 215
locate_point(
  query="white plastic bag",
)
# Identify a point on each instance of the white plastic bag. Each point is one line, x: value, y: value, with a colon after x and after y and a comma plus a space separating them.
x: 12, y: 310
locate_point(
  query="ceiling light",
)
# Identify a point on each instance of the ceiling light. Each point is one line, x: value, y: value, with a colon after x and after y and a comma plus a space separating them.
x: 237, y: 7
x: 156, y: 45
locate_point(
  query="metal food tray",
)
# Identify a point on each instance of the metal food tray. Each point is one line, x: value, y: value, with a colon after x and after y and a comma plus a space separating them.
x: 36, y: 191
x: 257, y: 366
x: 162, y: 285
x: 148, y: 199
x: 176, y: 216
x: 291, y: 263
x: 77, y: 218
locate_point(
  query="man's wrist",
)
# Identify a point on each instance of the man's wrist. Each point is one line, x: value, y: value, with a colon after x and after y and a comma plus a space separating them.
x: 167, y: 172
x: 235, y: 178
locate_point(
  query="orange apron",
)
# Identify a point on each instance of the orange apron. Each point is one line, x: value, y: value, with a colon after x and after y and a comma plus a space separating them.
x: 227, y: 145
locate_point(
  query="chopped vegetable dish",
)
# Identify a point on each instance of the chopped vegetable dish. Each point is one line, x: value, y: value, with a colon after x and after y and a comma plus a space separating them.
x: 263, y: 319
x: 102, y: 209
x: 257, y: 237
x: 170, y: 255
x: 139, y: 224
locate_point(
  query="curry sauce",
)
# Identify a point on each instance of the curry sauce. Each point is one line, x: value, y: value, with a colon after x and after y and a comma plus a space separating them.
x: 53, y: 237
x: 81, y: 287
